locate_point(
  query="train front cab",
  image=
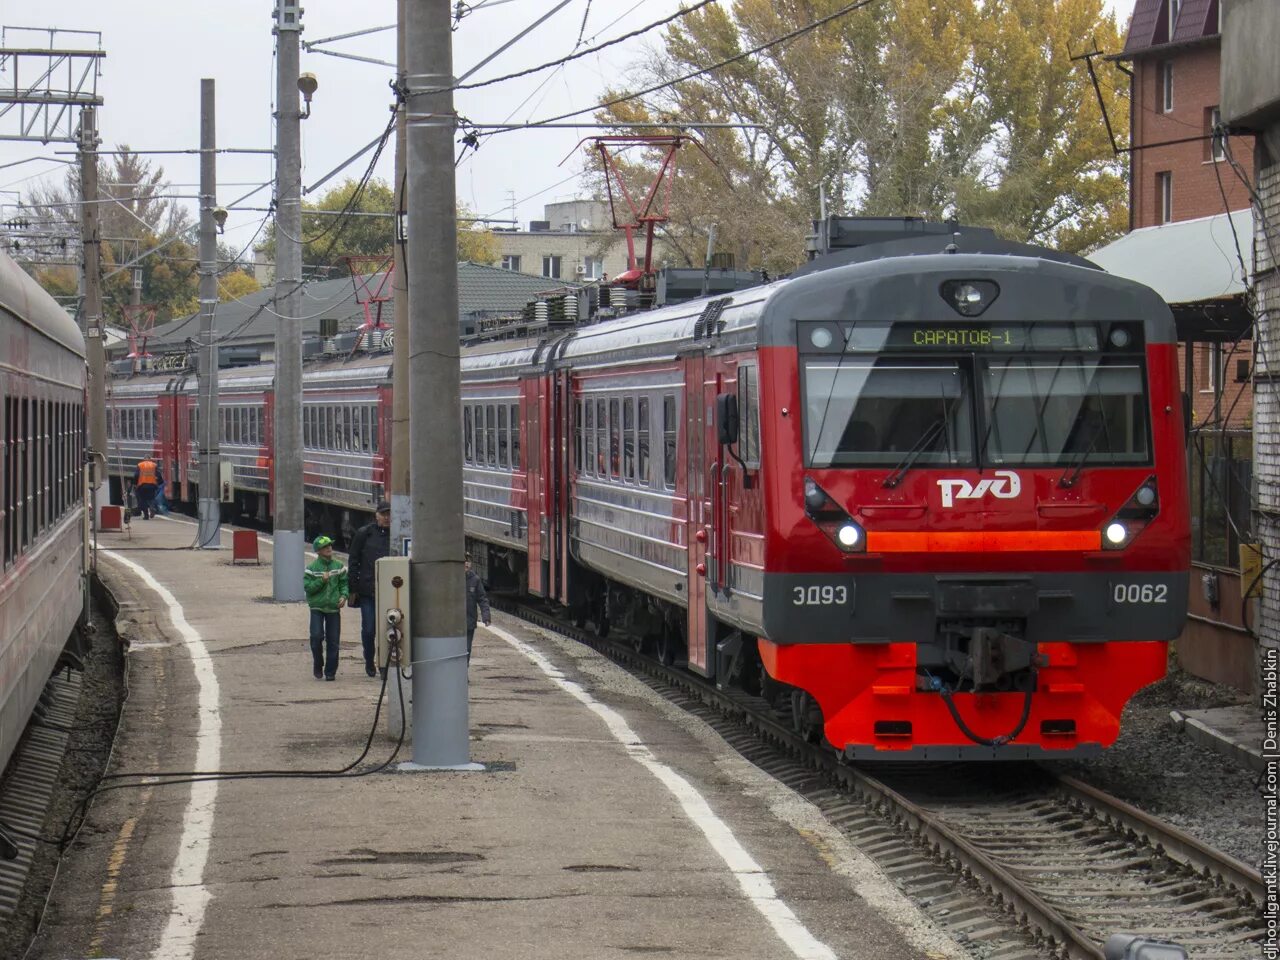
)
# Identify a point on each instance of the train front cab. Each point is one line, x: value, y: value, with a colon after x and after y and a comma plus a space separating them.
x: 982, y: 549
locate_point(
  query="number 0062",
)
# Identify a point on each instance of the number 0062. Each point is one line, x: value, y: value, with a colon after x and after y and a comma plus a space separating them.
x: 819, y: 596
x: 1140, y: 593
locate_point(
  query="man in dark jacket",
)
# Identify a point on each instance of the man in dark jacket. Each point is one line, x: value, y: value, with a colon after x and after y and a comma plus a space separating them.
x: 477, y: 603
x: 371, y: 543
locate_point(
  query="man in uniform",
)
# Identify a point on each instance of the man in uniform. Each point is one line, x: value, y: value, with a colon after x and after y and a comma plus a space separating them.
x: 146, y: 479
x: 371, y: 543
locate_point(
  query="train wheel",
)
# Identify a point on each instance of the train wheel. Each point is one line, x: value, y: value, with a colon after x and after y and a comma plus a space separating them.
x: 806, y: 716
x: 667, y: 649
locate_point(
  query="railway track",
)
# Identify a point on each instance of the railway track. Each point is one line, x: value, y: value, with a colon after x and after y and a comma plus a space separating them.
x: 1014, y: 860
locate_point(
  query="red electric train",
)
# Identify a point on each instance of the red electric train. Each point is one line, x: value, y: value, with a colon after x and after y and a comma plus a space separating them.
x: 929, y: 493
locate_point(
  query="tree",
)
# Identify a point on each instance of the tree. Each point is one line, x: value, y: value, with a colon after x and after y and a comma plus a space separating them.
x: 328, y: 238
x: 236, y: 284
x: 135, y: 214
x: 924, y: 107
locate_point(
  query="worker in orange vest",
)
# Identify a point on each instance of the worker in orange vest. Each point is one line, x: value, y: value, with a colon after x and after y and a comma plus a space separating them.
x: 146, y: 480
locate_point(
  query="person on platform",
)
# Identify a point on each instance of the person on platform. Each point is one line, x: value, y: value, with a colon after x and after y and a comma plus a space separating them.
x: 146, y: 479
x: 372, y: 542
x: 477, y: 603
x: 325, y: 584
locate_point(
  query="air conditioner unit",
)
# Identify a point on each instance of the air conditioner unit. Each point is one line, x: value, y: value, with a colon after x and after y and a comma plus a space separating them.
x: 580, y: 269
x: 584, y: 224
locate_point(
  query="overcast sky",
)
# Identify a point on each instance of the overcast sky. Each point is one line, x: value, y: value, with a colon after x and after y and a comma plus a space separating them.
x: 158, y: 50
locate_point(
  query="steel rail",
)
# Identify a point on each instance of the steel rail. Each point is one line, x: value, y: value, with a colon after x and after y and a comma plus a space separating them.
x: 1015, y: 895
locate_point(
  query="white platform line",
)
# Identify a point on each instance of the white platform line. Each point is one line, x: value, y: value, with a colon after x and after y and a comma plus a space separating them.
x: 751, y: 877
x: 190, y: 895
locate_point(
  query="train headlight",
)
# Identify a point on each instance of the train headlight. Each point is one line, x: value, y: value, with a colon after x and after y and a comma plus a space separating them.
x: 1120, y: 337
x: 1131, y: 519
x: 970, y: 298
x: 821, y: 337
x: 815, y: 498
x: 849, y: 536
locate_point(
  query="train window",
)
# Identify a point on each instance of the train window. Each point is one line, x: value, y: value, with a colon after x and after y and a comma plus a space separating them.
x: 515, y: 436
x: 490, y: 435
x: 468, y: 437
x: 880, y: 412
x: 615, y: 438
x: 628, y: 439
x: 579, y: 440
x: 588, y: 464
x: 357, y: 429
x: 749, y: 414
x: 1063, y: 410
x: 602, y: 440
x: 503, y: 459
x: 374, y: 429
x: 642, y: 441
x: 669, y: 442
x: 327, y: 440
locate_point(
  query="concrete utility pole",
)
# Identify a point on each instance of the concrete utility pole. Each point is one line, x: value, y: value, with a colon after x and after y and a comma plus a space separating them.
x: 438, y: 619
x: 91, y: 237
x: 289, y: 548
x: 210, y: 506
x: 401, y: 508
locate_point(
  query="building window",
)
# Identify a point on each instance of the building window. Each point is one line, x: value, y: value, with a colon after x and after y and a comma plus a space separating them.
x: 1213, y: 122
x: 511, y: 262
x: 1164, y: 95
x: 1164, y: 195
x: 592, y: 268
x: 551, y: 267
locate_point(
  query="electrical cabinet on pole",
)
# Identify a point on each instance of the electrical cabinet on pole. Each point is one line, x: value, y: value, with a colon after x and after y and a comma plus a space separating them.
x: 95, y: 347
x: 437, y: 599
x: 288, y: 552
x: 210, y: 507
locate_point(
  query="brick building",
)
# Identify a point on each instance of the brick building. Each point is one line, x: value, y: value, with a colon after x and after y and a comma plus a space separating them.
x: 1190, y: 239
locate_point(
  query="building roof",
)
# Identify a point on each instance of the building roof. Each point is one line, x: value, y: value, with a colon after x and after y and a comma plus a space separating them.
x: 251, y: 319
x: 1149, y: 26
x: 1193, y: 21
x: 486, y: 289
x: 1192, y: 261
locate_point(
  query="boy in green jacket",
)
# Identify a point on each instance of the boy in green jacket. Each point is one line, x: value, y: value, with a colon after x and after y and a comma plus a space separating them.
x: 325, y: 583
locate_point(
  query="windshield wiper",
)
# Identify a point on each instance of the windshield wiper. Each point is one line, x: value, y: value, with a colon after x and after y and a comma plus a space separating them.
x: 1100, y: 427
x: 919, y: 447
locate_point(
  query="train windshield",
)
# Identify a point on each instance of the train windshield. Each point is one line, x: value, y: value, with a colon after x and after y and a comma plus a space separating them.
x: 1055, y: 411
x: 863, y: 412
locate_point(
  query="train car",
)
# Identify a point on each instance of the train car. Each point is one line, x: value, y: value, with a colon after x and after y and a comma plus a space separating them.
x: 930, y: 494
x: 42, y: 486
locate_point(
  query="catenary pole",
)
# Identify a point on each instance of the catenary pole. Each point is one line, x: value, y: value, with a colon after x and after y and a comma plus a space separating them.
x: 91, y: 310
x: 288, y: 551
x: 401, y: 506
x: 438, y: 621
x: 401, y: 510
x: 210, y: 506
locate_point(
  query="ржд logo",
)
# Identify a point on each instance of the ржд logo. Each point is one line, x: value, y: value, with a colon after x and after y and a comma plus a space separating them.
x: 1005, y: 485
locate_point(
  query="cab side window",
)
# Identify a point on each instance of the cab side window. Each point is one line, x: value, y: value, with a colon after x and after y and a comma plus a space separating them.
x: 749, y: 414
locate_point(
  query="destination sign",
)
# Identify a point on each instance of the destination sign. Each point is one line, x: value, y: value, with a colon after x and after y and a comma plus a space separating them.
x: 964, y: 337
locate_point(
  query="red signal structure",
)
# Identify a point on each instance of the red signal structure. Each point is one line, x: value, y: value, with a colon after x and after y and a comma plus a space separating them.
x: 371, y: 278
x: 644, y: 215
x: 141, y: 318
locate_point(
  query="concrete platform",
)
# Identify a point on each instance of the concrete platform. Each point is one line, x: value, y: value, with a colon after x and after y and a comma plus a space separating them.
x: 1236, y: 732
x: 608, y: 824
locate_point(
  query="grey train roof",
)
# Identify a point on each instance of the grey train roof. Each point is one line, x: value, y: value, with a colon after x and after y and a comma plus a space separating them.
x: 27, y: 301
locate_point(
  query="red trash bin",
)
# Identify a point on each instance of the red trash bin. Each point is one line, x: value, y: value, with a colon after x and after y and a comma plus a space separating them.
x: 244, y: 546
x: 111, y: 519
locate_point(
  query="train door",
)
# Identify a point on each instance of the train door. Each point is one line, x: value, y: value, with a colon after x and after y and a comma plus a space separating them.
x: 536, y: 406
x: 700, y: 464
x: 565, y: 427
